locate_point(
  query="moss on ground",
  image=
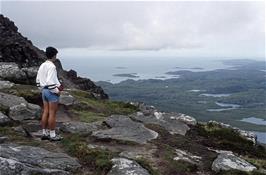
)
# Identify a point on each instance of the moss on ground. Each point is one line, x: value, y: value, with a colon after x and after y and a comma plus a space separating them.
x: 18, y: 138
x: 237, y: 172
x: 97, y: 160
x: 167, y: 145
x: 259, y: 163
x: 30, y: 93
x: 90, y: 109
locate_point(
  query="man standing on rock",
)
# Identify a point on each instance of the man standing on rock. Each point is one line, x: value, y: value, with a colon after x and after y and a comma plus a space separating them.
x: 47, y: 80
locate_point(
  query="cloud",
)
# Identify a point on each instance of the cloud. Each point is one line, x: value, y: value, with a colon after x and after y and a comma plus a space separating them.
x: 223, y: 27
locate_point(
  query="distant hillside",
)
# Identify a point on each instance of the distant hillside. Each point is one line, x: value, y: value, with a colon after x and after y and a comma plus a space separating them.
x: 245, y: 85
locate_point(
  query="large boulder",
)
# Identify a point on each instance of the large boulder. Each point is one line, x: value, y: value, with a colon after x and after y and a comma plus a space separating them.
x: 12, y: 72
x: 124, y: 129
x: 164, y: 120
x: 227, y: 161
x: 19, y: 109
x: 122, y: 166
x: 18, y: 159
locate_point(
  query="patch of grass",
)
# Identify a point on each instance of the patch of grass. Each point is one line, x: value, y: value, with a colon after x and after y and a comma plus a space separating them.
x: 81, y: 94
x: 30, y: 93
x: 98, y: 160
x: 87, y: 116
x: 238, y: 172
x: 228, y: 139
x: 259, y: 163
x: 90, y: 109
x: 18, y: 138
x: 232, y: 172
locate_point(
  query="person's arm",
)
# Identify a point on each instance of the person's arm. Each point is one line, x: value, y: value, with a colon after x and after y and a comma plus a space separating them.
x: 52, y: 80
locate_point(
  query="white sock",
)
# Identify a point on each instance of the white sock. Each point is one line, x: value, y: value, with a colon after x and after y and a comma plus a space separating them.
x: 52, y: 133
x: 45, y: 132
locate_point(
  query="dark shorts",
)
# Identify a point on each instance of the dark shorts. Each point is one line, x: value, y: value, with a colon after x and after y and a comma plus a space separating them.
x: 48, y: 96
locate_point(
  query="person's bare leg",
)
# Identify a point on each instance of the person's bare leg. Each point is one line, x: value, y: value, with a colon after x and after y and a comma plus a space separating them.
x: 45, y: 115
x: 52, y: 115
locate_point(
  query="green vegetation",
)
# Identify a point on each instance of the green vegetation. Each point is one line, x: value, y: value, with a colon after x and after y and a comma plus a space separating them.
x: 237, y: 172
x: 167, y: 145
x: 246, y: 85
x: 18, y: 137
x: 259, y: 163
x: 30, y: 93
x: 90, y: 109
x: 228, y: 139
x: 97, y: 160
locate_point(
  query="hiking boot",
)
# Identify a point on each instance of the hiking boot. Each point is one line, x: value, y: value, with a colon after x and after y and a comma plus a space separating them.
x: 45, y: 137
x: 56, y: 138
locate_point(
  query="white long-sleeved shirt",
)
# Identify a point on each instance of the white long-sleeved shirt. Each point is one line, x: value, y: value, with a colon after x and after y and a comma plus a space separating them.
x: 47, y: 76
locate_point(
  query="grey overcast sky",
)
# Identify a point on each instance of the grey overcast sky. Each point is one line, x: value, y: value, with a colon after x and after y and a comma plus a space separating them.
x: 192, y: 28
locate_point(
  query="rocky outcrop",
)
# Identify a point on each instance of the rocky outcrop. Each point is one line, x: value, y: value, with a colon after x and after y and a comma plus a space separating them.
x: 18, y: 159
x: 12, y: 72
x: 245, y: 134
x: 124, y: 129
x: 227, y: 160
x: 16, y: 48
x: 22, y: 60
x: 18, y: 108
x: 124, y: 166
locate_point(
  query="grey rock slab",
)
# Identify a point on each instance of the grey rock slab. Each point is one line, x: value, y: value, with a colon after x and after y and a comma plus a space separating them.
x: 28, y: 159
x: 13, y: 167
x: 79, y: 127
x: 67, y: 99
x: 123, y: 128
x: 123, y: 166
x: 10, y: 70
x: 227, y: 161
x: 187, y: 156
x: 164, y: 120
x: 19, y: 108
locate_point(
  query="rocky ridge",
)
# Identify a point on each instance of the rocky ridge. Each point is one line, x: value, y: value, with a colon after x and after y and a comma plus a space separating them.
x: 20, y: 59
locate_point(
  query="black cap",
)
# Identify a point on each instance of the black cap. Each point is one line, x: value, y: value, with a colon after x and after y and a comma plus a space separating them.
x: 50, y: 52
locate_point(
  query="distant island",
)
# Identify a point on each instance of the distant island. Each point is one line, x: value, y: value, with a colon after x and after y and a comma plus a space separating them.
x: 120, y: 67
x: 129, y: 75
x: 196, y: 68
